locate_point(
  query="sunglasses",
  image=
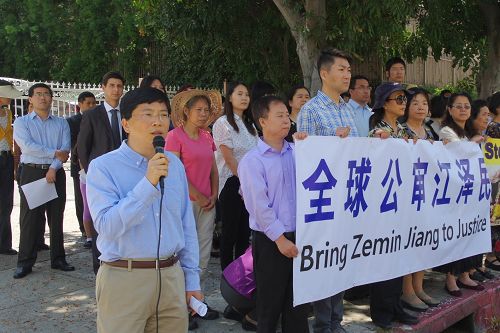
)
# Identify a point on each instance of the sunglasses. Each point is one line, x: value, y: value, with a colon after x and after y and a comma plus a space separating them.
x: 401, y: 99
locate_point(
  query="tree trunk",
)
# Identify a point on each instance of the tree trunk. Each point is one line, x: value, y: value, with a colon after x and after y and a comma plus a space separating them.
x: 489, y: 76
x: 307, y: 29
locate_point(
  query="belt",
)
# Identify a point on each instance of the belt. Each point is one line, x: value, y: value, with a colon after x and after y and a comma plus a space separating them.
x: 130, y: 263
x: 38, y: 166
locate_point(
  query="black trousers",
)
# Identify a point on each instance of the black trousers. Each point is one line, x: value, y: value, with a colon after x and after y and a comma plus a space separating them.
x: 32, y: 220
x: 95, y: 252
x: 274, y: 282
x: 6, y: 199
x: 385, y: 300
x: 234, y: 216
x: 78, y: 203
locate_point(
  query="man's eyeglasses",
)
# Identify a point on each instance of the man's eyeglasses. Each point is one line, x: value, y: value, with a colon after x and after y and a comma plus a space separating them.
x: 461, y: 107
x: 363, y: 88
x: 401, y: 99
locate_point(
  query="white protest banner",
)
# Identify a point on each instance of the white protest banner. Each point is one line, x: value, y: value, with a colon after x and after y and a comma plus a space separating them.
x: 370, y: 210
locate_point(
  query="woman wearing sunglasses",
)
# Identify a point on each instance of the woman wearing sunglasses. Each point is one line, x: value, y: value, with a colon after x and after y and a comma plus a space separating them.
x: 390, y: 104
x: 457, y: 128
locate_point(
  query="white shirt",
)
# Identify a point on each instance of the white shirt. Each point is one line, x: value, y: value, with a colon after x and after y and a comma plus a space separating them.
x: 240, y: 142
x: 108, y: 110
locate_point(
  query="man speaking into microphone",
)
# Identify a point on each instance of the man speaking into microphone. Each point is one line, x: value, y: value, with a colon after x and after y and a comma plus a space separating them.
x: 136, y: 226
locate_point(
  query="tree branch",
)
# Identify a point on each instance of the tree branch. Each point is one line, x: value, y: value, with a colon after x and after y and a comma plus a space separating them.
x: 291, y: 16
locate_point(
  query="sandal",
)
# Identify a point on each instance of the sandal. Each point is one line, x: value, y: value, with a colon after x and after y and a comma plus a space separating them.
x: 491, y: 265
x: 486, y: 273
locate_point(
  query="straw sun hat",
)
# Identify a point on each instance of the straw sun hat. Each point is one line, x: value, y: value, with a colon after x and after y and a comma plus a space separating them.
x: 180, y: 100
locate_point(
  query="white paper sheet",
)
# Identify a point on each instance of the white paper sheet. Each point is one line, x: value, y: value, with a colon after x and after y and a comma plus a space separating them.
x: 39, y: 192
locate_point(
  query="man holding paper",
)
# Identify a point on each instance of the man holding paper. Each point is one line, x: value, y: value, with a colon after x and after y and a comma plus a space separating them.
x: 45, y: 142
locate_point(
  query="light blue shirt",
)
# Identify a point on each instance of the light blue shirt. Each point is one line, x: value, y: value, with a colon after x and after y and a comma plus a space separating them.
x: 267, y: 179
x: 321, y: 116
x: 361, y: 117
x: 125, y: 208
x: 39, y: 139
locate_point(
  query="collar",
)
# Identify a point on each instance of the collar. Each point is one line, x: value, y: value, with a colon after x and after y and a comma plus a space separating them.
x: 263, y: 147
x: 328, y: 101
x: 131, y: 154
x: 33, y: 114
x: 109, y: 107
x: 356, y: 105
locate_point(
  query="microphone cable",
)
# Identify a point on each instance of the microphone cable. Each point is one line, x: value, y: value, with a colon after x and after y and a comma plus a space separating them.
x: 158, y: 262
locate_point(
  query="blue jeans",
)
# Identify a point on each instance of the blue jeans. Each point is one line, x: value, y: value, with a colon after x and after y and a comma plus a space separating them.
x: 328, y: 313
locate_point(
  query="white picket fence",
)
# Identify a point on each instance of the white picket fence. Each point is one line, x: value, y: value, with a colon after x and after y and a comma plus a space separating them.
x: 65, y: 99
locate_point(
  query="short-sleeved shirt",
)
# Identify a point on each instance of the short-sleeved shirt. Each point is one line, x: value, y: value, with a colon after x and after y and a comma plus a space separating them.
x: 240, y: 142
x: 196, y: 155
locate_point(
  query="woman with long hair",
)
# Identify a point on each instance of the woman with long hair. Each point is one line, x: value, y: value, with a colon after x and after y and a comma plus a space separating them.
x: 234, y: 135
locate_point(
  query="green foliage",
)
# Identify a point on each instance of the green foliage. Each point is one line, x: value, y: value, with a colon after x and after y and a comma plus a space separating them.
x: 467, y: 85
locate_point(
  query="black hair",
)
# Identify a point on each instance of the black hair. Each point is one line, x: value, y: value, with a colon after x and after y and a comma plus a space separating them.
x: 193, y: 100
x: 327, y: 58
x: 148, y: 80
x: 345, y: 94
x: 415, y: 91
x: 260, y: 109
x: 31, y: 90
x: 228, y: 110
x: 184, y: 88
x: 392, y: 61
x: 468, y: 131
x: 437, y: 107
x: 133, y: 98
x: 355, y: 78
x: 476, y: 106
x: 112, y: 75
x: 84, y: 95
x: 494, y: 103
x: 260, y: 89
x: 445, y: 91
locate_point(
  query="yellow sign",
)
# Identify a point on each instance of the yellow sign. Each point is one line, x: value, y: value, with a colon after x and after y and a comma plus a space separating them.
x: 491, y: 151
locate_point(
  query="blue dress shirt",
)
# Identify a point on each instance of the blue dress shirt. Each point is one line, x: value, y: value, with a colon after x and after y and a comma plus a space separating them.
x: 321, y: 116
x: 267, y: 181
x: 39, y: 139
x: 125, y: 208
x: 361, y: 117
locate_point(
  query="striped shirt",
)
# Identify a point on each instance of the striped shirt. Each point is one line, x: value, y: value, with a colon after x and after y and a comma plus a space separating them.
x: 321, y: 116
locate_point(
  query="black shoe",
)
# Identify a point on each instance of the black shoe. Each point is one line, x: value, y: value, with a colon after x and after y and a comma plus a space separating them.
x: 248, y: 324
x: 193, y: 324
x: 62, y: 265
x: 22, y: 272
x: 210, y: 315
x: 232, y: 313
x: 476, y: 276
x: 43, y: 247
x: 406, y: 318
x: 9, y: 252
x: 87, y: 244
x: 486, y: 273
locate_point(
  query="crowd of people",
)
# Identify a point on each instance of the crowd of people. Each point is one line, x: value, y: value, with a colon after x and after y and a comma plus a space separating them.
x: 147, y: 208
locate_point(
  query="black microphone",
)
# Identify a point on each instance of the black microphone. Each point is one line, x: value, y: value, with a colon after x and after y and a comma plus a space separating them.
x: 159, y: 143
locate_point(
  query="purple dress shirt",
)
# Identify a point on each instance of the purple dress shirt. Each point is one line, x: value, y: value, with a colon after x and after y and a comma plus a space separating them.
x: 267, y: 179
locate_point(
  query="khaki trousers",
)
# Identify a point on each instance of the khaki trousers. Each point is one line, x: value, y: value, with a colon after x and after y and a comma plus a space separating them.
x: 126, y: 300
x: 205, y: 225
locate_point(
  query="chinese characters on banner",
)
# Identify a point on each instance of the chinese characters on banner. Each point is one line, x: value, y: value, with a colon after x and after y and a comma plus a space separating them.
x: 371, y: 210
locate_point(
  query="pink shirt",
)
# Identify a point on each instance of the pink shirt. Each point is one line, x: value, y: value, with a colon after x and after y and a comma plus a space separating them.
x: 197, y: 156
